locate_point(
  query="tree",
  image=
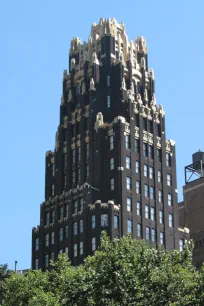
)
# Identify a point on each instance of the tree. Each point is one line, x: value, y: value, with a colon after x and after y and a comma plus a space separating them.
x: 124, y: 272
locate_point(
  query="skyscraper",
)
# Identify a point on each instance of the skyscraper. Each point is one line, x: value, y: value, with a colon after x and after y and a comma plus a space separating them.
x: 112, y: 167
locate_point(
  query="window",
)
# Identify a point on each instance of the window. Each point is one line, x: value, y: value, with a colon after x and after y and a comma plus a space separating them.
x: 67, y: 251
x: 61, y: 234
x: 181, y: 245
x: 146, y: 190
x: 128, y: 182
x: 139, y: 230
x: 153, y: 216
x: 73, y: 156
x: 81, y: 204
x: 75, y: 228
x: 145, y: 124
x: 52, y: 256
x: 47, y: 240
x: 93, y: 222
x: 128, y: 162
x: 161, y: 238
x: 116, y: 222
x: 145, y: 151
x: 87, y: 170
x: 137, y: 166
x: 129, y: 204
x: 137, y: 187
x: 66, y: 232
x: 137, y: 146
x: 111, y: 163
x: 151, y: 193
x: 111, y: 142
x: 37, y: 244
x: 75, y: 250
x: 138, y: 208
x: 159, y: 176
x: 159, y: 155
x: 168, y: 179
x: 147, y: 233
x: 46, y: 261
x: 145, y: 170
x: 161, y: 217
x: 53, y: 169
x: 171, y: 221
x: 129, y: 226
x: 151, y: 172
x: 75, y: 207
x: 87, y: 150
x: 160, y: 196
x: 153, y: 234
x: 47, y: 218
x: 81, y: 248
x: 53, y: 190
x: 78, y: 88
x: 81, y: 226
x: 150, y: 151
x: 127, y: 141
x: 168, y: 160
x: 170, y: 199
x: 112, y: 184
x: 147, y: 211
x: 60, y: 251
x: 104, y: 220
x: 93, y: 243
x: 36, y: 264
x: 108, y: 80
x: 66, y: 211
x: 52, y: 238
x: 61, y: 213
x: 108, y: 101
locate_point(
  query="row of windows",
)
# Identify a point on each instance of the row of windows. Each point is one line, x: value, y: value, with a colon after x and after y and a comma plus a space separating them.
x: 149, y: 234
x: 147, y: 150
x: 150, y: 212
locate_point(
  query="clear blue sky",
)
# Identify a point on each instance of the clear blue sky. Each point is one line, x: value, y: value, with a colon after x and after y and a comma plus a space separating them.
x: 35, y: 38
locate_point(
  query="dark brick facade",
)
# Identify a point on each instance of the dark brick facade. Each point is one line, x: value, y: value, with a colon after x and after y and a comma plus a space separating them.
x: 112, y: 167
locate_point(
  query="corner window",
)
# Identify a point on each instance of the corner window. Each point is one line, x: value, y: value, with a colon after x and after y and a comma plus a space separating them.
x: 145, y: 151
x: 129, y: 226
x: 93, y: 243
x: 147, y: 233
x: 93, y: 222
x: 139, y: 230
x: 128, y: 162
x: 171, y: 221
x: 138, y: 208
x: 170, y: 199
x: 116, y: 222
x: 37, y: 244
x: 111, y: 142
x: 111, y: 163
x: 168, y: 179
x: 128, y: 182
x: 104, y: 220
x: 168, y: 159
x: 129, y: 204
x: 127, y: 141
x: 108, y: 101
x: 112, y: 184
x: 75, y: 250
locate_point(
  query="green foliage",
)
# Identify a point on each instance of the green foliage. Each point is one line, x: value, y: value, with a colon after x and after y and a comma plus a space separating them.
x: 125, y: 272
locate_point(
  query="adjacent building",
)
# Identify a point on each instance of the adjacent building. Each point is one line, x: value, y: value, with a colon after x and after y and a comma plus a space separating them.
x: 112, y: 168
x: 191, y: 210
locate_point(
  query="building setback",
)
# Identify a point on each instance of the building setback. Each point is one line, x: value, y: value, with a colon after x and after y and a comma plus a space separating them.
x: 112, y: 168
x: 191, y: 210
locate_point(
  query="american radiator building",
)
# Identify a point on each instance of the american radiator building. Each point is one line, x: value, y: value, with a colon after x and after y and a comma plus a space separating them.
x: 112, y: 168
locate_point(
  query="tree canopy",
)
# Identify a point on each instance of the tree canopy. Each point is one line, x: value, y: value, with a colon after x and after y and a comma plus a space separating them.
x: 124, y: 272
